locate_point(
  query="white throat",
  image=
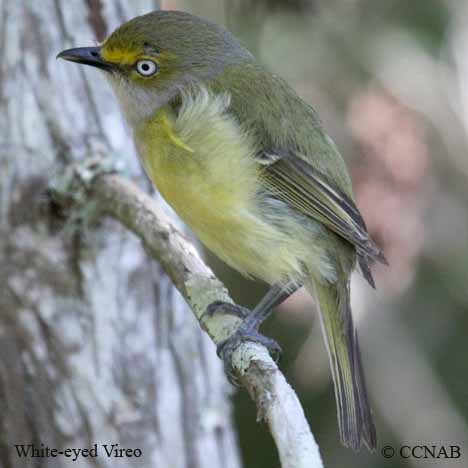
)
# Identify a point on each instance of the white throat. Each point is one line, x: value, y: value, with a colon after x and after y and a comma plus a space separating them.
x: 136, y: 102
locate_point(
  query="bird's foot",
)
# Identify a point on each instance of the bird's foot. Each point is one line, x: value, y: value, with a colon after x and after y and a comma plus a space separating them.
x: 244, y: 333
x: 226, y: 348
x: 220, y: 307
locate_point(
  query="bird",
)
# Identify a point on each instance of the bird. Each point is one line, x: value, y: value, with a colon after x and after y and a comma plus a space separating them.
x: 248, y: 166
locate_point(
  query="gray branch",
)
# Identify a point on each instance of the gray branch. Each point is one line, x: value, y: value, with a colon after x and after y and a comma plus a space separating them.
x: 276, y: 401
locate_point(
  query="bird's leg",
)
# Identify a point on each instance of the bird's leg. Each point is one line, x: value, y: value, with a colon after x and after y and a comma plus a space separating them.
x: 248, y: 329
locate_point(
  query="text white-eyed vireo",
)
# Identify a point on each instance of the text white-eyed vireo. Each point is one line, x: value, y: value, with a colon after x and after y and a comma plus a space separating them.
x: 247, y: 165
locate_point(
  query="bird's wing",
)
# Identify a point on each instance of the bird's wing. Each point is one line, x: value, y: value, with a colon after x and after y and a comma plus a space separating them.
x: 293, y: 180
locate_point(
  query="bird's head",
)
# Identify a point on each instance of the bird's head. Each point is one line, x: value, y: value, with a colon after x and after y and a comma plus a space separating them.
x: 149, y: 59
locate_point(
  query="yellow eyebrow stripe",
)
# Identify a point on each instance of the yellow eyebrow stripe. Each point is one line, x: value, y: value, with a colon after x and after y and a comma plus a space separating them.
x: 121, y: 56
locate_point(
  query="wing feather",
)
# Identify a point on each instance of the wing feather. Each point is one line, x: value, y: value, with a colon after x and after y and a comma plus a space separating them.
x: 293, y: 180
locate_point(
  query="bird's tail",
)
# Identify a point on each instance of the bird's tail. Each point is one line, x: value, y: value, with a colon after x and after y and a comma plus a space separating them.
x: 354, y: 413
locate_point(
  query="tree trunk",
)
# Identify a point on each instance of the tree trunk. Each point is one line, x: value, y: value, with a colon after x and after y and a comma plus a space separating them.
x: 96, y: 345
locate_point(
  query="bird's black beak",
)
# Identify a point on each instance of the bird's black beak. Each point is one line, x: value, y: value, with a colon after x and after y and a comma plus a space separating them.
x: 86, y: 56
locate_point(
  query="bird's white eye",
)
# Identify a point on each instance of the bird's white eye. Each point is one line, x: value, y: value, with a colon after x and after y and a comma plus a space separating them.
x: 146, y: 67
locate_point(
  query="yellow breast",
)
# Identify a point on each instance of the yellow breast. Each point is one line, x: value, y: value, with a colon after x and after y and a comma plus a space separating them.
x: 203, y: 164
x: 198, y: 160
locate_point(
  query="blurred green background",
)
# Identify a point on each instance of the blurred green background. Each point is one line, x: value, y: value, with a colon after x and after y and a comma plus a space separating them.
x: 390, y: 81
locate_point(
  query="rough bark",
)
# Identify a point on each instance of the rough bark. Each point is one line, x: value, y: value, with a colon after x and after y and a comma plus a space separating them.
x: 96, y: 344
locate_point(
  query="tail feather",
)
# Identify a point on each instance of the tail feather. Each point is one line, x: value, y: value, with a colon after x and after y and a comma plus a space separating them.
x: 354, y: 414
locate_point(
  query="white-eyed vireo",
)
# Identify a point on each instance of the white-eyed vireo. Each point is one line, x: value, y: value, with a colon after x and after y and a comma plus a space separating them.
x: 247, y: 165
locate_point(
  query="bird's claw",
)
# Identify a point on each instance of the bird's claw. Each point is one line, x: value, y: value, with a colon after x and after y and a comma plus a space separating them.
x: 228, y: 346
x: 220, y: 307
x: 243, y: 334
